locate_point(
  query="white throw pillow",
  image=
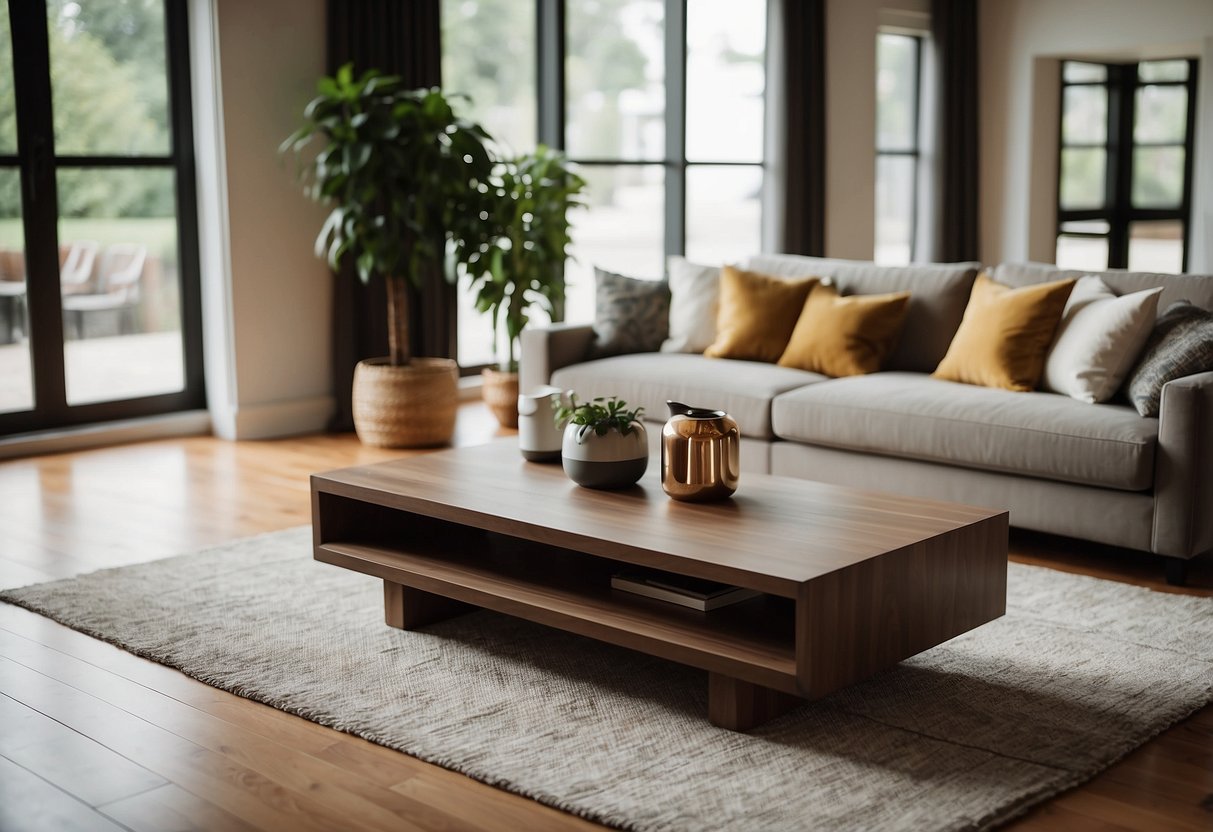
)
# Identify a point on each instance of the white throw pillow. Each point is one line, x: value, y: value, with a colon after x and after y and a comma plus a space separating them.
x: 1098, y: 340
x: 694, y: 300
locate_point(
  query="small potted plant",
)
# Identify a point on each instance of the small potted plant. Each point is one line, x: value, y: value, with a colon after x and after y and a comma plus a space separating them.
x: 531, y: 197
x: 605, y: 443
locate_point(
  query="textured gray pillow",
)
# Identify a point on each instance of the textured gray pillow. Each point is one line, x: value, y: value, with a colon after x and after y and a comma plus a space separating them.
x: 630, y: 315
x: 1181, y: 345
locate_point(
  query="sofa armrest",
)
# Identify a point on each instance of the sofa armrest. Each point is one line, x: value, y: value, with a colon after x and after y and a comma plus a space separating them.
x: 1183, y: 469
x: 546, y: 349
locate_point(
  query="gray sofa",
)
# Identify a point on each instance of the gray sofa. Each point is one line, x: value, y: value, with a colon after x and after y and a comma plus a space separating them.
x: 1096, y: 472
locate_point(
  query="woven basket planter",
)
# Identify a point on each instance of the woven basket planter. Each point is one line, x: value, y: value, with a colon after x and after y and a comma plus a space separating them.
x: 405, y: 407
x: 500, y: 393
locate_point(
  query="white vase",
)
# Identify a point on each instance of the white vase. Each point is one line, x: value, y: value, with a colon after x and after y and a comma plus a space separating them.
x: 612, y: 460
x: 539, y: 438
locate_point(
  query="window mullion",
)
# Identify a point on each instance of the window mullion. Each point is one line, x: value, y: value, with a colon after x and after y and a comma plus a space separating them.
x: 40, y: 206
x: 1120, y: 163
x: 550, y: 65
x: 1189, y: 147
x: 675, y: 126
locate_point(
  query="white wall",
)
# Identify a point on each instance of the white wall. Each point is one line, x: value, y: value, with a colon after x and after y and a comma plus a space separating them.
x: 1021, y: 44
x: 267, y: 299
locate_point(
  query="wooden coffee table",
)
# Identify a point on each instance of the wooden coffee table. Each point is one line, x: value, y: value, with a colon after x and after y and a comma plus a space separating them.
x: 852, y: 581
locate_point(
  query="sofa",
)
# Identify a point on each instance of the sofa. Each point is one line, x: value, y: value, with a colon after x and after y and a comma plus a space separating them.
x: 1098, y: 472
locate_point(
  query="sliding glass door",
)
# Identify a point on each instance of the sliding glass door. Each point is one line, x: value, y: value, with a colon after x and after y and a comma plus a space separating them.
x: 99, y: 297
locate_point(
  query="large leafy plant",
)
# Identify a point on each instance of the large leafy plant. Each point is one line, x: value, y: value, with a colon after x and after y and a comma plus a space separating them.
x: 406, y: 181
x: 531, y: 196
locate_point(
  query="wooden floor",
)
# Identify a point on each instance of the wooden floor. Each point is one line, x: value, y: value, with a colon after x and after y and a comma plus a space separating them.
x: 92, y: 738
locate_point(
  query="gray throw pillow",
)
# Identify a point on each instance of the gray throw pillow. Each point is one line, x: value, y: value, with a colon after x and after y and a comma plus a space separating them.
x: 1181, y: 345
x: 630, y: 315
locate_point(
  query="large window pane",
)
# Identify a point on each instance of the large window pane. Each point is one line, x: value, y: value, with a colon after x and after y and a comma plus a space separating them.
x: 476, y: 333
x: 1086, y: 227
x: 894, y: 209
x: 724, y: 213
x: 120, y: 283
x: 1161, y: 114
x: 1156, y: 247
x: 8, y: 99
x: 16, y: 383
x: 1078, y: 72
x: 1086, y: 115
x: 108, y: 77
x: 488, y: 53
x: 896, y: 92
x: 620, y: 231
x: 1163, y: 71
x: 726, y: 44
x: 1083, y: 171
x: 1158, y: 177
x: 1090, y: 253
x: 615, y: 80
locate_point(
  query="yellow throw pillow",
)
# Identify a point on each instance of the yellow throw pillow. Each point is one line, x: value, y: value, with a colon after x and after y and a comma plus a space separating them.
x: 845, y: 336
x: 1005, y: 334
x: 757, y: 314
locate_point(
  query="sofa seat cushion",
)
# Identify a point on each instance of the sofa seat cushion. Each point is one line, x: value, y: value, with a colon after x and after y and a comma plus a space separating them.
x: 743, y: 389
x: 917, y: 417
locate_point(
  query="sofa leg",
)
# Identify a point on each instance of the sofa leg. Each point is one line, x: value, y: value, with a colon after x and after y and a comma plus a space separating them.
x: 1177, y: 571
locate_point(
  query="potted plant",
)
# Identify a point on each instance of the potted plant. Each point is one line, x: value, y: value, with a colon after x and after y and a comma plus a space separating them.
x: 531, y: 196
x: 605, y: 444
x: 404, y: 178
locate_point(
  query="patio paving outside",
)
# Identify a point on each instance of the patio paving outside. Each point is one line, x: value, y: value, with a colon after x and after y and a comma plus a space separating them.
x: 99, y: 369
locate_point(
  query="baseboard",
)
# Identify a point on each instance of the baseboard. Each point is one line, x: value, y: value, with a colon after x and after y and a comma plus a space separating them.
x: 169, y: 425
x: 274, y: 420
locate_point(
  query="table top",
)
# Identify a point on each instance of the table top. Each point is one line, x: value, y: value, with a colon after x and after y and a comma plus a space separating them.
x: 778, y: 532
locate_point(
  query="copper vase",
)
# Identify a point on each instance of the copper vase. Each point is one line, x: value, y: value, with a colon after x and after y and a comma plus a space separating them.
x: 700, y: 454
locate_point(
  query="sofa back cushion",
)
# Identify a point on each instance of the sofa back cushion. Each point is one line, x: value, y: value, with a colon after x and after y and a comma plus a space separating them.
x: 939, y: 293
x: 1194, y: 288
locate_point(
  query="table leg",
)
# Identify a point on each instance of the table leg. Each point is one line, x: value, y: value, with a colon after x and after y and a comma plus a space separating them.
x: 406, y: 608
x: 740, y: 706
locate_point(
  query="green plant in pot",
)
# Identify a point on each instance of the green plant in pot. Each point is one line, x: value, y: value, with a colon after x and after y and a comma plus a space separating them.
x: 605, y: 443
x: 531, y: 197
x: 403, y: 176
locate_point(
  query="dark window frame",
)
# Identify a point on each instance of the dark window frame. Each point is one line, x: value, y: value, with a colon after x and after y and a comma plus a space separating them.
x: 914, y: 152
x: 37, y: 161
x: 551, y: 113
x: 1122, y: 83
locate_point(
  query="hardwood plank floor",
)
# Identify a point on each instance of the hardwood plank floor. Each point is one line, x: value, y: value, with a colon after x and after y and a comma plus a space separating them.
x: 95, y: 738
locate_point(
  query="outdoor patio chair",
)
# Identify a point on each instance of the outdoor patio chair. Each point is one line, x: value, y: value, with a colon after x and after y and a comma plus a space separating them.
x: 119, y: 281
x: 76, y: 262
x: 12, y: 295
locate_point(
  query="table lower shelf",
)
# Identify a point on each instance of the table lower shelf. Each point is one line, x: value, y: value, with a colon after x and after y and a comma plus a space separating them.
x: 752, y: 641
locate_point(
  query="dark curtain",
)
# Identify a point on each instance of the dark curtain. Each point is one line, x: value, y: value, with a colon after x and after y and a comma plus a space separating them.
x: 804, y: 126
x: 397, y: 37
x: 954, y: 30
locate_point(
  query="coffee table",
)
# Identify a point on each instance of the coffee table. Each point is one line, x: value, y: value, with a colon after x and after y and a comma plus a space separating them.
x: 852, y: 581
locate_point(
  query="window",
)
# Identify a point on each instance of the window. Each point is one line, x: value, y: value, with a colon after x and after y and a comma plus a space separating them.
x: 99, y: 301
x: 661, y: 104
x: 898, y: 64
x: 1125, y: 166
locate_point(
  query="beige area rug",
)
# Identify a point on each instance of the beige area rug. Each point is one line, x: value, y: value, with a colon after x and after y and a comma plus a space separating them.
x: 1079, y: 672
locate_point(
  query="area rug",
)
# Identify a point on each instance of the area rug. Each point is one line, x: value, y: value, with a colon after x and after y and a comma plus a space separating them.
x: 965, y: 736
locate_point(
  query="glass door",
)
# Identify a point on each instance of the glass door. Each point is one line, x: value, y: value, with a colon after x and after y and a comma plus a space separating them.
x: 99, y: 296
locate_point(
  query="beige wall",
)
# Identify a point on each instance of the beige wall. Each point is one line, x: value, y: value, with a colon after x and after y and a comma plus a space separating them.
x: 1022, y: 42
x: 267, y: 297
x: 851, y: 28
